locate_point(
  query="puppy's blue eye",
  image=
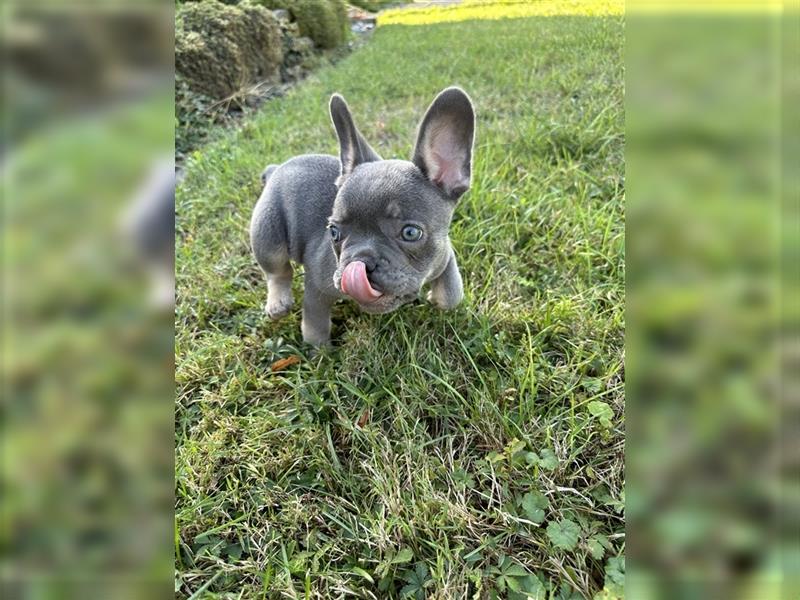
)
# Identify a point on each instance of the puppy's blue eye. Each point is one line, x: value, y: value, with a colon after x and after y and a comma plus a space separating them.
x: 411, y: 233
x: 335, y: 233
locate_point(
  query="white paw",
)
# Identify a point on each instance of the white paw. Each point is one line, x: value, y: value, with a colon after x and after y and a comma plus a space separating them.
x: 443, y: 301
x: 278, y: 307
x: 319, y: 338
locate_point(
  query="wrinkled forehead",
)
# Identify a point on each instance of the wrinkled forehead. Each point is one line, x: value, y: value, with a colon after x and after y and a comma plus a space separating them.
x: 391, y: 189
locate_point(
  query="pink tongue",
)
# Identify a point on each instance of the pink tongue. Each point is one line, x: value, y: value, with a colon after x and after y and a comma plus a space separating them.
x: 356, y: 284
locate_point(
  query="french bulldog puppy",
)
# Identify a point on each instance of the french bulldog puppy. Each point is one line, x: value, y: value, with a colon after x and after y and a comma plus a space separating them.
x: 369, y: 229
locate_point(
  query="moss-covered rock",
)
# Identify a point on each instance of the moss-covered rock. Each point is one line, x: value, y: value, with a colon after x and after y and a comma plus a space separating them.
x: 372, y: 5
x: 274, y: 4
x: 324, y: 21
x: 220, y: 48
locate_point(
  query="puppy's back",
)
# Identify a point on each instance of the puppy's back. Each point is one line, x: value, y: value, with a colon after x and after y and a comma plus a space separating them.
x: 294, y: 206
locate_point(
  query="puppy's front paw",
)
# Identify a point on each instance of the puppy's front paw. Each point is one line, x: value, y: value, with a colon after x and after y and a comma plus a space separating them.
x: 316, y: 334
x: 278, y: 306
x: 444, y: 299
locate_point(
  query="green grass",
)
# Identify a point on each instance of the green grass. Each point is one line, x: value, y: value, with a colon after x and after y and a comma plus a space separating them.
x: 449, y: 455
x: 86, y: 368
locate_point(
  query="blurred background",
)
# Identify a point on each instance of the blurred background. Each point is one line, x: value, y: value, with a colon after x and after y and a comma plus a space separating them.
x: 712, y: 347
x: 87, y: 140
x: 712, y: 231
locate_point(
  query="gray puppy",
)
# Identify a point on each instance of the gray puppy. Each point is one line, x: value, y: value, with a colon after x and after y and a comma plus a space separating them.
x: 372, y: 229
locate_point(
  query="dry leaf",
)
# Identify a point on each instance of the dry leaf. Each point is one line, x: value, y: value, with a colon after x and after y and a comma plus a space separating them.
x: 284, y: 363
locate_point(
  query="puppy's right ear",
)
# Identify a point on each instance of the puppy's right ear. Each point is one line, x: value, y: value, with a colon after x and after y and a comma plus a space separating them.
x: 444, y: 143
x: 353, y: 148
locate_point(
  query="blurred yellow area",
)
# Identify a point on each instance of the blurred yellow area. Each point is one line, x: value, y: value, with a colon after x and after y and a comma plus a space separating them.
x: 499, y: 9
x: 705, y: 6
x: 431, y: 12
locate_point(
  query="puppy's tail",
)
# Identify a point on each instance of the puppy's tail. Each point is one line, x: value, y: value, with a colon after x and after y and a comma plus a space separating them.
x: 267, y: 173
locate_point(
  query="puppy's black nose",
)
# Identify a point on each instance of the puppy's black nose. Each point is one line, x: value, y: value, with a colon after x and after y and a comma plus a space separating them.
x: 370, y: 263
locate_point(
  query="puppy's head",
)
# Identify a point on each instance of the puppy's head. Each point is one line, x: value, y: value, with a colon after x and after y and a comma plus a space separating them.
x: 391, y: 218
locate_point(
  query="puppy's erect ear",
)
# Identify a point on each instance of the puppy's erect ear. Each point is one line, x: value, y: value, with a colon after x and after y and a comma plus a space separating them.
x: 353, y: 148
x: 444, y: 142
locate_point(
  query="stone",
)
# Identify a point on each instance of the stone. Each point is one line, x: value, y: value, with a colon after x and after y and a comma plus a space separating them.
x: 219, y: 49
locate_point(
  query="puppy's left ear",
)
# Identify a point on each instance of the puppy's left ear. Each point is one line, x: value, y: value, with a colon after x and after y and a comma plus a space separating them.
x: 353, y: 148
x: 444, y: 142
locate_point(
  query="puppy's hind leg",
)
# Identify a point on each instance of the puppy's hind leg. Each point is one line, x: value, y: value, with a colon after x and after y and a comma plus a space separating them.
x: 268, y: 240
x: 279, y: 285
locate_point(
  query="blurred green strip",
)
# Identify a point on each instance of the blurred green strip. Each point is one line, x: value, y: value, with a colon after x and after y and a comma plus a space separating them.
x: 708, y: 512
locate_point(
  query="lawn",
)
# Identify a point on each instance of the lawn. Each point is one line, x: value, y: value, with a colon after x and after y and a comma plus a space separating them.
x: 472, y: 453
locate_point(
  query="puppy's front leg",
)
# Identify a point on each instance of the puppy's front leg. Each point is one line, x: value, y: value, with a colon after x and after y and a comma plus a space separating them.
x: 447, y: 290
x: 316, y: 324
